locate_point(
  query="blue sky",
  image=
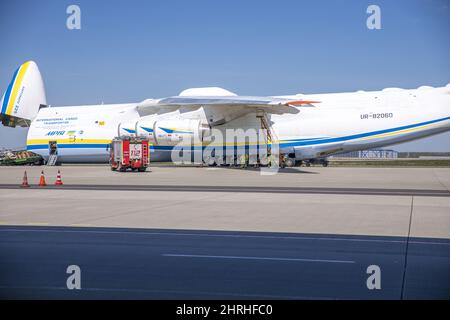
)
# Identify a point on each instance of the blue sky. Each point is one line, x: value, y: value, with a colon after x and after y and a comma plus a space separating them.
x: 127, y: 51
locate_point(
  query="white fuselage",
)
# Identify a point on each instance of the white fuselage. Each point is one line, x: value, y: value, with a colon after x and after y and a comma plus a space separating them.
x: 340, y: 122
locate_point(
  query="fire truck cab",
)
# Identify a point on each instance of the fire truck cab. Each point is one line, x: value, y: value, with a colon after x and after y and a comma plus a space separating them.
x: 129, y: 153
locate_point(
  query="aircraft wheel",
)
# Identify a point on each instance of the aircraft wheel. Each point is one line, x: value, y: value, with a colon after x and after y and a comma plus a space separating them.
x: 289, y: 162
x: 212, y: 162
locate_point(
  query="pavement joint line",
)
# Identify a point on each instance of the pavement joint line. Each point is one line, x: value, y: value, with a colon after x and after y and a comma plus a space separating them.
x: 438, y: 178
x: 254, y: 258
x: 402, y: 291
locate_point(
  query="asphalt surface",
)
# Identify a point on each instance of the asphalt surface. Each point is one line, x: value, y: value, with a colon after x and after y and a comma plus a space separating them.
x: 162, y: 264
x: 241, y: 189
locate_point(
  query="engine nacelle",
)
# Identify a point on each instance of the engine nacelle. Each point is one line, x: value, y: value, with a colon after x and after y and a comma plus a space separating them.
x: 179, y: 132
x: 146, y: 128
x: 166, y: 132
x: 127, y: 129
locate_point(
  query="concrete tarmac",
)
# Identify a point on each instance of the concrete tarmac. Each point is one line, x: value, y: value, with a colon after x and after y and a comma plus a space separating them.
x: 392, y: 178
x: 181, y: 264
x: 358, y: 201
x: 382, y: 211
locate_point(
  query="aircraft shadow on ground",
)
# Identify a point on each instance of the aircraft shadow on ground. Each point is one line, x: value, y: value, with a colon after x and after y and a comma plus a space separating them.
x: 281, y: 170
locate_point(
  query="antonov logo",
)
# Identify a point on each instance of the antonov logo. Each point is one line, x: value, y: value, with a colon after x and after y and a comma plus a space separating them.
x: 55, y: 133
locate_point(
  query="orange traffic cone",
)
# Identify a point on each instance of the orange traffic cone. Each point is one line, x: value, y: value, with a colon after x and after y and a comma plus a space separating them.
x: 58, y: 179
x: 42, y: 180
x: 25, y: 180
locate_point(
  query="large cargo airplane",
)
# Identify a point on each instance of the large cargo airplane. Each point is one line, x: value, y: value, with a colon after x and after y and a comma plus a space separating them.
x: 304, y: 126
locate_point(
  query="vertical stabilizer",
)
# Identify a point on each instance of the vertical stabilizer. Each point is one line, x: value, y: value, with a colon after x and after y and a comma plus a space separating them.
x: 23, y: 97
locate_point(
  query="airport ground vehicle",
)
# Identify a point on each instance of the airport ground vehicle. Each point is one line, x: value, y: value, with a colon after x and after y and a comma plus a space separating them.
x: 130, y: 153
x: 18, y: 158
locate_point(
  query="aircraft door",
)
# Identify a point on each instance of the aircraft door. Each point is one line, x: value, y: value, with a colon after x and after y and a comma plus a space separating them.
x: 52, y: 148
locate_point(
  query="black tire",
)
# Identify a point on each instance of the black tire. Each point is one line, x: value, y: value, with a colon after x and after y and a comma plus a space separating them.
x: 210, y: 162
x: 289, y: 162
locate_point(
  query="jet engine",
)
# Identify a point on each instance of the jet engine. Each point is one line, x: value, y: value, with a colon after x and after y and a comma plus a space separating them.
x: 173, y: 132
x: 179, y: 132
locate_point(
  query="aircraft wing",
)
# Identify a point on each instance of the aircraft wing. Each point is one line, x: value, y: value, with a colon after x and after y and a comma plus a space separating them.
x: 267, y: 104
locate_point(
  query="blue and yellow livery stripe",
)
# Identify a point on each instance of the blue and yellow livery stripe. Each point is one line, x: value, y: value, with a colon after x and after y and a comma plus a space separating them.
x: 35, y: 144
x: 8, y: 92
x: 70, y: 146
x: 367, y: 135
x: 13, y: 88
x: 40, y: 141
x: 103, y: 143
x: 147, y: 129
x: 174, y: 130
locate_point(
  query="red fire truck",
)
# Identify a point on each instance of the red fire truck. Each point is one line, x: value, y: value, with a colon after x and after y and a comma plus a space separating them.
x: 130, y: 153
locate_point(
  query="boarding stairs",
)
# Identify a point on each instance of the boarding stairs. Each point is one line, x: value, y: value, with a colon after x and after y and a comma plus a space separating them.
x: 271, y: 141
x: 270, y: 135
x: 52, y: 159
